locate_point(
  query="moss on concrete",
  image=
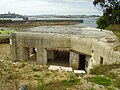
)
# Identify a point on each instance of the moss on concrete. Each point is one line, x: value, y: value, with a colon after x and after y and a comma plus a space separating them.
x: 6, y: 31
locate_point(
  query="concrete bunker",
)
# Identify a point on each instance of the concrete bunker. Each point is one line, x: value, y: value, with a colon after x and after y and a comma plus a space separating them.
x: 56, y: 57
x: 84, y: 49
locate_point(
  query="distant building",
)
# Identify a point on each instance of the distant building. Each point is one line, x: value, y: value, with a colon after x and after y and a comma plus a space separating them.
x: 11, y: 15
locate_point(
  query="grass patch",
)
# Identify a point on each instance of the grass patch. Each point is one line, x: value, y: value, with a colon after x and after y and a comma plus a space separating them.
x: 100, y: 80
x: 70, y: 80
x: 104, y: 69
x: 115, y: 29
x: 117, y: 33
x: 41, y: 83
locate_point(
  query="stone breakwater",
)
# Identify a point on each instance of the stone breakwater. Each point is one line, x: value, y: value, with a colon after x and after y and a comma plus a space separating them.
x: 31, y: 23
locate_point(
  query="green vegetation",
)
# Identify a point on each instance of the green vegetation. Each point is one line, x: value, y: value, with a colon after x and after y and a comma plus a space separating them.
x: 115, y: 29
x: 111, y: 75
x: 41, y: 83
x: 38, y: 77
x: 100, y: 80
x: 111, y: 15
x: 111, y: 88
x: 5, y: 31
x: 111, y: 12
x: 70, y: 80
x: 56, y: 85
x: 104, y: 69
x: 116, y: 83
x: 102, y: 22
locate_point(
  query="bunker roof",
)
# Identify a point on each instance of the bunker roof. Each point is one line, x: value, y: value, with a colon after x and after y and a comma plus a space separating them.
x: 74, y: 30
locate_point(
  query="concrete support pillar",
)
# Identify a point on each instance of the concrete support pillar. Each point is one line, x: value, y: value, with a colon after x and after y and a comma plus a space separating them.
x: 88, y: 64
x: 13, y: 50
x: 74, y: 60
x: 50, y: 55
x: 13, y: 47
x: 41, y: 56
x: 26, y: 53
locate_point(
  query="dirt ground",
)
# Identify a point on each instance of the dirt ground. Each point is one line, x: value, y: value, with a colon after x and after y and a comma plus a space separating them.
x: 38, y: 77
x: 4, y: 51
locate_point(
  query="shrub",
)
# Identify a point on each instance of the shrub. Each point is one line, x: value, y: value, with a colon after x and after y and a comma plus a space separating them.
x: 102, y: 22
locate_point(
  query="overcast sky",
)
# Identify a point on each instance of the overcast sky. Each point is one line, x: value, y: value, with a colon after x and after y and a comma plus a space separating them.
x: 38, y: 7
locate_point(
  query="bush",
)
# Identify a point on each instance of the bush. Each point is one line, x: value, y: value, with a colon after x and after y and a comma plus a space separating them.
x: 102, y: 22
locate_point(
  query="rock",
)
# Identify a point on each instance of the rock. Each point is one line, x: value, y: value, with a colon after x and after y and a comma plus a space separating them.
x: 23, y: 87
x: 79, y: 72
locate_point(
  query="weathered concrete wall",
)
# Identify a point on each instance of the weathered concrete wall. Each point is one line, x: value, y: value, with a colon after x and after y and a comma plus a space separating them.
x: 87, y: 63
x: 74, y: 60
x: 41, y: 42
x: 101, y: 49
x: 82, y: 45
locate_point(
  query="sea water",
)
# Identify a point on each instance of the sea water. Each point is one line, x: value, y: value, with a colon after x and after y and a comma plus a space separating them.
x: 90, y: 22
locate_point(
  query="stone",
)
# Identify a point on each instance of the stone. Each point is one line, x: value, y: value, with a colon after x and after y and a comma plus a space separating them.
x: 23, y: 87
x: 53, y: 67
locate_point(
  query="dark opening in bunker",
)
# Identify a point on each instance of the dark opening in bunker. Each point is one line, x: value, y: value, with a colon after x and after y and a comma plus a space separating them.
x: 101, y: 60
x: 82, y: 59
x: 33, y: 54
x: 60, y: 58
x: 29, y: 54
